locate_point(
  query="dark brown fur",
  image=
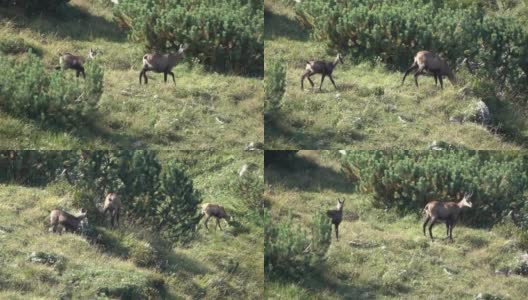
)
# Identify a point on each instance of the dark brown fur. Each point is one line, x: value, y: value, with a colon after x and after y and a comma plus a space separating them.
x: 337, y: 216
x: 161, y: 63
x: 214, y: 210
x: 67, y: 221
x: 325, y: 68
x: 114, y: 206
x: 445, y: 212
x: 428, y: 61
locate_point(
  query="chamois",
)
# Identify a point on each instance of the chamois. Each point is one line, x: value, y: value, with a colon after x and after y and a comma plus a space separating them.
x: 428, y: 61
x: 68, y: 221
x: 70, y: 61
x: 337, y: 216
x: 113, y: 205
x: 325, y: 68
x: 446, y: 212
x: 161, y: 63
x: 217, y: 211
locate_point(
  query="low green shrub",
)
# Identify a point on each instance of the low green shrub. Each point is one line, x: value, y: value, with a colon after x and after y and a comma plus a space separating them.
x: 275, y: 86
x: 290, y: 250
x: 28, y: 90
x: 407, y: 180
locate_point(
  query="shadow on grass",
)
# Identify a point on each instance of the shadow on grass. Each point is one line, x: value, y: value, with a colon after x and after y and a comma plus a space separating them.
x: 280, y: 126
x: 77, y: 24
x: 317, y: 283
x: 307, y: 175
x: 280, y: 26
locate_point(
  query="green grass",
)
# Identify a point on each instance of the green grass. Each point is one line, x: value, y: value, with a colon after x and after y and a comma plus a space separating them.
x: 383, y: 255
x: 202, y: 269
x: 203, y: 110
x: 366, y: 110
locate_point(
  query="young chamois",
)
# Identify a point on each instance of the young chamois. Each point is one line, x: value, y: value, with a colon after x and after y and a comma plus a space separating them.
x: 161, y: 63
x: 215, y: 210
x: 67, y: 221
x: 113, y: 205
x: 70, y: 61
x: 446, y: 212
x: 337, y: 216
x: 325, y: 68
x: 428, y: 61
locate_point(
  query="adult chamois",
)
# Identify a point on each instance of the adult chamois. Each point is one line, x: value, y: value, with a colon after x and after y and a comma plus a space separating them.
x: 428, y: 61
x: 74, y: 62
x: 161, y: 63
x: 446, y: 212
x: 217, y: 211
x: 113, y: 205
x: 337, y: 216
x: 67, y: 221
x: 325, y: 68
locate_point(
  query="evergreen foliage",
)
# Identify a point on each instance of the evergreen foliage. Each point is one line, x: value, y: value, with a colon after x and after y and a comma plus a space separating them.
x: 408, y: 180
x: 28, y: 90
x: 33, y: 7
x: 289, y: 250
x: 275, y: 86
x: 224, y: 35
x: 394, y: 31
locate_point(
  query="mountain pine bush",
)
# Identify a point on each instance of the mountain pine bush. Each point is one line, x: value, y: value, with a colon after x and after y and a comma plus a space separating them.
x: 28, y: 90
x: 407, y: 180
x: 224, y: 35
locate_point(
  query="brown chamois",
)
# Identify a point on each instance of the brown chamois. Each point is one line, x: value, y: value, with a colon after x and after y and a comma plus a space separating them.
x: 428, y: 61
x: 113, y: 205
x: 161, y: 63
x: 217, y: 211
x: 445, y: 212
x: 325, y: 68
x: 67, y: 221
x: 70, y: 61
x: 337, y: 216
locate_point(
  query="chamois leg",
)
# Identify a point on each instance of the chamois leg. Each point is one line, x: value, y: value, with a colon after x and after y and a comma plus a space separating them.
x: 165, y: 77
x: 117, y: 218
x: 306, y: 74
x: 143, y: 74
x: 172, y: 74
x: 441, y: 81
x: 310, y: 79
x: 433, y: 221
x: 418, y: 73
x: 451, y: 225
x: 447, y: 226
x: 218, y: 223
x: 205, y: 223
x: 322, y: 79
x: 84, y: 75
x: 337, y: 231
x: 425, y: 224
x: 413, y: 66
x: 77, y: 73
x: 332, y: 79
x: 436, y: 79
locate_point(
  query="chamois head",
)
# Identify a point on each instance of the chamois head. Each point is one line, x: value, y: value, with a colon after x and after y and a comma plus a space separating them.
x: 465, y: 200
x: 340, y: 204
x: 82, y: 213
x: 92, y: 53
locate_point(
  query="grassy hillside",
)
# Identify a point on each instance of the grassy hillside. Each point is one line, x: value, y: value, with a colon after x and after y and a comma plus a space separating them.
x: 380, y: 254
x: 370, y: 109
x: 217, y: 264
x: 203, y: 110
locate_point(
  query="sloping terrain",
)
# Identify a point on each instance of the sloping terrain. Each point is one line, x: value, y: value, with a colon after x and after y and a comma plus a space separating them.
x: 384, y: 255
x: 217, y: 264
x: 371, y: 109
x: 203, y: 110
